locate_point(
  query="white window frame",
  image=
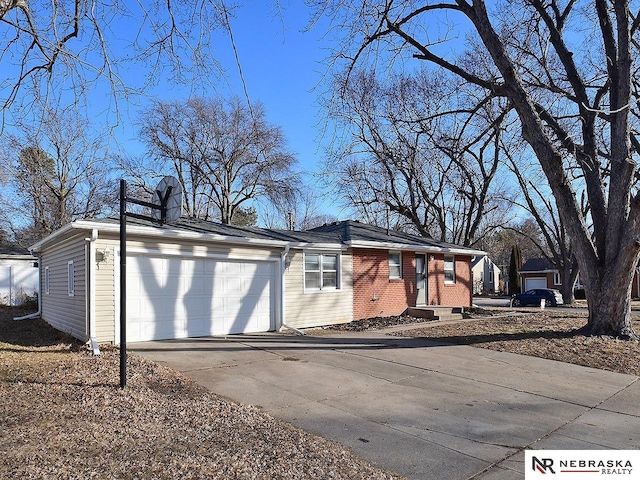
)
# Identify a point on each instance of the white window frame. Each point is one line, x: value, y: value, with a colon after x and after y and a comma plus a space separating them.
x: 71, y: 287
x: 46, y: 281
x: 321, y: 256
x: 491, y: 278
x: 556, y: 278
x: 398, y: 265
x: 452, y: 261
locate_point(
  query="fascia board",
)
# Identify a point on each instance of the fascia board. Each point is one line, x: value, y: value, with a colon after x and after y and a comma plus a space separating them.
x: 180, y: 234
x: 51, y: 237
x: 416, y: 248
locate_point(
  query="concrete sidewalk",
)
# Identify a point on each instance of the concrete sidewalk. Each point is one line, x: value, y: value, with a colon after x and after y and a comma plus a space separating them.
x: 419, y: 408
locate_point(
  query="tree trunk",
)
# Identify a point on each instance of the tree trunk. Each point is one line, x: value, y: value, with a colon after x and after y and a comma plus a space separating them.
x: 609, y: 302
x: 569, y: 276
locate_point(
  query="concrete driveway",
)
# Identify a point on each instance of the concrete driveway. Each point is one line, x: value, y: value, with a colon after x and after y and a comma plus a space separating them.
x: 418, y: 408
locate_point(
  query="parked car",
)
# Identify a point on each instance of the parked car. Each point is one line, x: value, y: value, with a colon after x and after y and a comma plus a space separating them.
x: 552, y: 297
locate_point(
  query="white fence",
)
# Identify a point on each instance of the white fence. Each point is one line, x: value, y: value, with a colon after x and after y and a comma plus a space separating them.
x: 18, y: 283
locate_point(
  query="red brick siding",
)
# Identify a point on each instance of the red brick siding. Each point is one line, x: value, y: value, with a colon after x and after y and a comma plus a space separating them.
x: 374, y: 293
x: 457, y: 294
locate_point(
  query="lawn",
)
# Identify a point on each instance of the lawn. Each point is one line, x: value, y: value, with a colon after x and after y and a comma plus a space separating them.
x: 63, y: 415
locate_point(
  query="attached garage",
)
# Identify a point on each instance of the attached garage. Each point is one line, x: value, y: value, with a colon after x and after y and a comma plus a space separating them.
x: 535, y: 282
x: 180, y: 297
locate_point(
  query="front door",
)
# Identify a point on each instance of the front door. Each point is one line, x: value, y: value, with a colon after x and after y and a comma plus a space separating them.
x: 421, y: 280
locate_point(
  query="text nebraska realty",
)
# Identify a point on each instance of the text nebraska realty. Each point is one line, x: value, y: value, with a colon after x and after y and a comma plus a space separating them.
x: 606, y: 467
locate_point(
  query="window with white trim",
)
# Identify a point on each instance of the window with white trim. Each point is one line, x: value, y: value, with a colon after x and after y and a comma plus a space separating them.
x: 556, y: 278
x: 449, y: 269
x: 491, y: 276
x: 395, y: 265
x: 70, y: 279
x: 321, y: 271
x: 46, y: 280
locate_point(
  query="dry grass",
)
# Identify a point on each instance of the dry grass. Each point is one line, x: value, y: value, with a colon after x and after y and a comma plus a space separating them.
x: 62, y: 415
x: 553, y: 334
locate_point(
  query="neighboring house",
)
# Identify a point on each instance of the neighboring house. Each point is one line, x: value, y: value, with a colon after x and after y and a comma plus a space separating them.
x: 195, y: 278
x: 18, y: 276
x: 486, y: 275
x: 539, y: 273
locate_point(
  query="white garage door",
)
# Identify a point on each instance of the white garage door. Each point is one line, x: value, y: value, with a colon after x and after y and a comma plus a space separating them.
x: 535, y: 282
x: 177, y: 297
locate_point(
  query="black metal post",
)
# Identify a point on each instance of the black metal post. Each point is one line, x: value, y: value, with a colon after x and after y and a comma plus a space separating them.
x: 123, y: 283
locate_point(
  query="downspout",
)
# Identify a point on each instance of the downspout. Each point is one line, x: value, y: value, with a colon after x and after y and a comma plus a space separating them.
x: 40, y: 281
x: 95, y: 348
x: 283, y: 268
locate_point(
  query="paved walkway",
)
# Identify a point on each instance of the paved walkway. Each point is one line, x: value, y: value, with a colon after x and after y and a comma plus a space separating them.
x: 419, y: 408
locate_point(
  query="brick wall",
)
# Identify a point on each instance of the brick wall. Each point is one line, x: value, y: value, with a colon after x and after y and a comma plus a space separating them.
x: 457, y: 294
x: 374, y: 293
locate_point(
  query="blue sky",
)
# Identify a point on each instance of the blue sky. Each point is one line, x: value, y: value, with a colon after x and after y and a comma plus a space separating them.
x: 282, y: 67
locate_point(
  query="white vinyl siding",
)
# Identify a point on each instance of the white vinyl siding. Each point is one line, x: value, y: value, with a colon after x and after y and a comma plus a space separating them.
x: 449, y: 269
x: 105, y: 300
x: 395, y: 265
x: 46, y: 281
x: 312, y: 308
x: 64, y: 312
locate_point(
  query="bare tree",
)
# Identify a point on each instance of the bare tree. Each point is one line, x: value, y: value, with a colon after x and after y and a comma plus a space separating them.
x: 302, y: 211
x: 411, y: 152
x: 65, y: 48
x: 57, y: 172
x: 577, y: 109
x: 224, y: 154
x: 552, y: 241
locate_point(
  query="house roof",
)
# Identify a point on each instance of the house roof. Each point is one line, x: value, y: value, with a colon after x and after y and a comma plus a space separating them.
x: 357, y: 234
x: 13, y: 250
x: 541, y: 264
x: 338, y: 235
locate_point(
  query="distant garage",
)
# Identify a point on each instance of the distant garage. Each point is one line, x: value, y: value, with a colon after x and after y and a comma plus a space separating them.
x: 535, y: 282
x: 180, y: 297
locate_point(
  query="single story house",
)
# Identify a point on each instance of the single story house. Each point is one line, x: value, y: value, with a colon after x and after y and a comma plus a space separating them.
x: 541, y: 273
x: 18, y: 276
x: 192, y: 278
x: 486, y: 275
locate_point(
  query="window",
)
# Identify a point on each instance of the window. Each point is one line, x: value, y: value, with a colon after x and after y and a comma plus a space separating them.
x: 321, y: 271
x: 70, y: 279
x: 491, y: 276
x: 556, y: 278
x: 46, y: 280
x: 449, y: 269
x: 395, y: 265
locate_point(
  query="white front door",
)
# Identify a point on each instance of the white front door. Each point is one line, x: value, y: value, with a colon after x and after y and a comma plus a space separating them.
x: 421, y: 280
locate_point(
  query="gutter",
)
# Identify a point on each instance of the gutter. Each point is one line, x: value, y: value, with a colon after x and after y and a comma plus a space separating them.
x: 91, y: 287
x: 283, y: 268
x: 40, y: 289
x: 168, y: 232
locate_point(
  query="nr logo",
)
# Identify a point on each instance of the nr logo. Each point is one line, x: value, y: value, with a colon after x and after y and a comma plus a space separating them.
x: 543, y: 465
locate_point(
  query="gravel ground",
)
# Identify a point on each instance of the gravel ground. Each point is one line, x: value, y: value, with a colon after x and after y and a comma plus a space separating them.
x: 63, y: 415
